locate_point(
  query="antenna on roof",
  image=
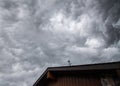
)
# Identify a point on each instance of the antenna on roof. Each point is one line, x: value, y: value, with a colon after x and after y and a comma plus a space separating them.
x: 69, y: 63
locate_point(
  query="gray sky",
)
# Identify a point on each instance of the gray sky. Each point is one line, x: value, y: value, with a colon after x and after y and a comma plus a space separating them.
x: 35, y: 34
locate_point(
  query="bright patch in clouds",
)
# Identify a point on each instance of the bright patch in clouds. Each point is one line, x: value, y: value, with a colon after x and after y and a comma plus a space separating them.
x: 63, y: 24
x: 94, y: 43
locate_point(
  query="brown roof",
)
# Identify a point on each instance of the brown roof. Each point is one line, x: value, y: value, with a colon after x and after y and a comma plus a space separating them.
x: 87, y: 67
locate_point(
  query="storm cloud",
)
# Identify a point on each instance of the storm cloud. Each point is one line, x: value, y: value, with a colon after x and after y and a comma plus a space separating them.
x: 35, y: 34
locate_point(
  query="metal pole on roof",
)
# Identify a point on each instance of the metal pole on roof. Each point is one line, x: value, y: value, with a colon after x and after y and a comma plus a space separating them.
x: 69, y: 63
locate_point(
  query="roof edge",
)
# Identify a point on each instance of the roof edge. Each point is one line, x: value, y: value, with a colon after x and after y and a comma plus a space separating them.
x: 85, y: 65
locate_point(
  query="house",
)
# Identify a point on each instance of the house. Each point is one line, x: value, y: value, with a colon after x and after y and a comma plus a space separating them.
x: 102, y: 74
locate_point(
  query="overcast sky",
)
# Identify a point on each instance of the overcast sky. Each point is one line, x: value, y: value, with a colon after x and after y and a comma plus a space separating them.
x: 35, y: 34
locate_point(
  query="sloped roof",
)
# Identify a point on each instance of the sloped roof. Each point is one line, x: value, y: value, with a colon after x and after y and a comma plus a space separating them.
x: 98, y: 66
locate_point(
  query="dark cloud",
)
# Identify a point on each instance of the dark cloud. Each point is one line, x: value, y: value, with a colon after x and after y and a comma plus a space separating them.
x: 36, y: 34
x: 113, y: 34
x: 111, y: 15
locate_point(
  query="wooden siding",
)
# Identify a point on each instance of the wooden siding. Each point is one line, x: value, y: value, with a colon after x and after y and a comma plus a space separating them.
x: 76, y: 81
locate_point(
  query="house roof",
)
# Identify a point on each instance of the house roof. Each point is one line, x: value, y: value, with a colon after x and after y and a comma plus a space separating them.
x: 86, y: 67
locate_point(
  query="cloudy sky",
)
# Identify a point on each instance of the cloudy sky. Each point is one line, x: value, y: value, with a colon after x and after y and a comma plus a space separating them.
x: 35, y: 34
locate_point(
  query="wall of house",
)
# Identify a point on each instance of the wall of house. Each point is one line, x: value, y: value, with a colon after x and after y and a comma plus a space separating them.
x: 76, y: 81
